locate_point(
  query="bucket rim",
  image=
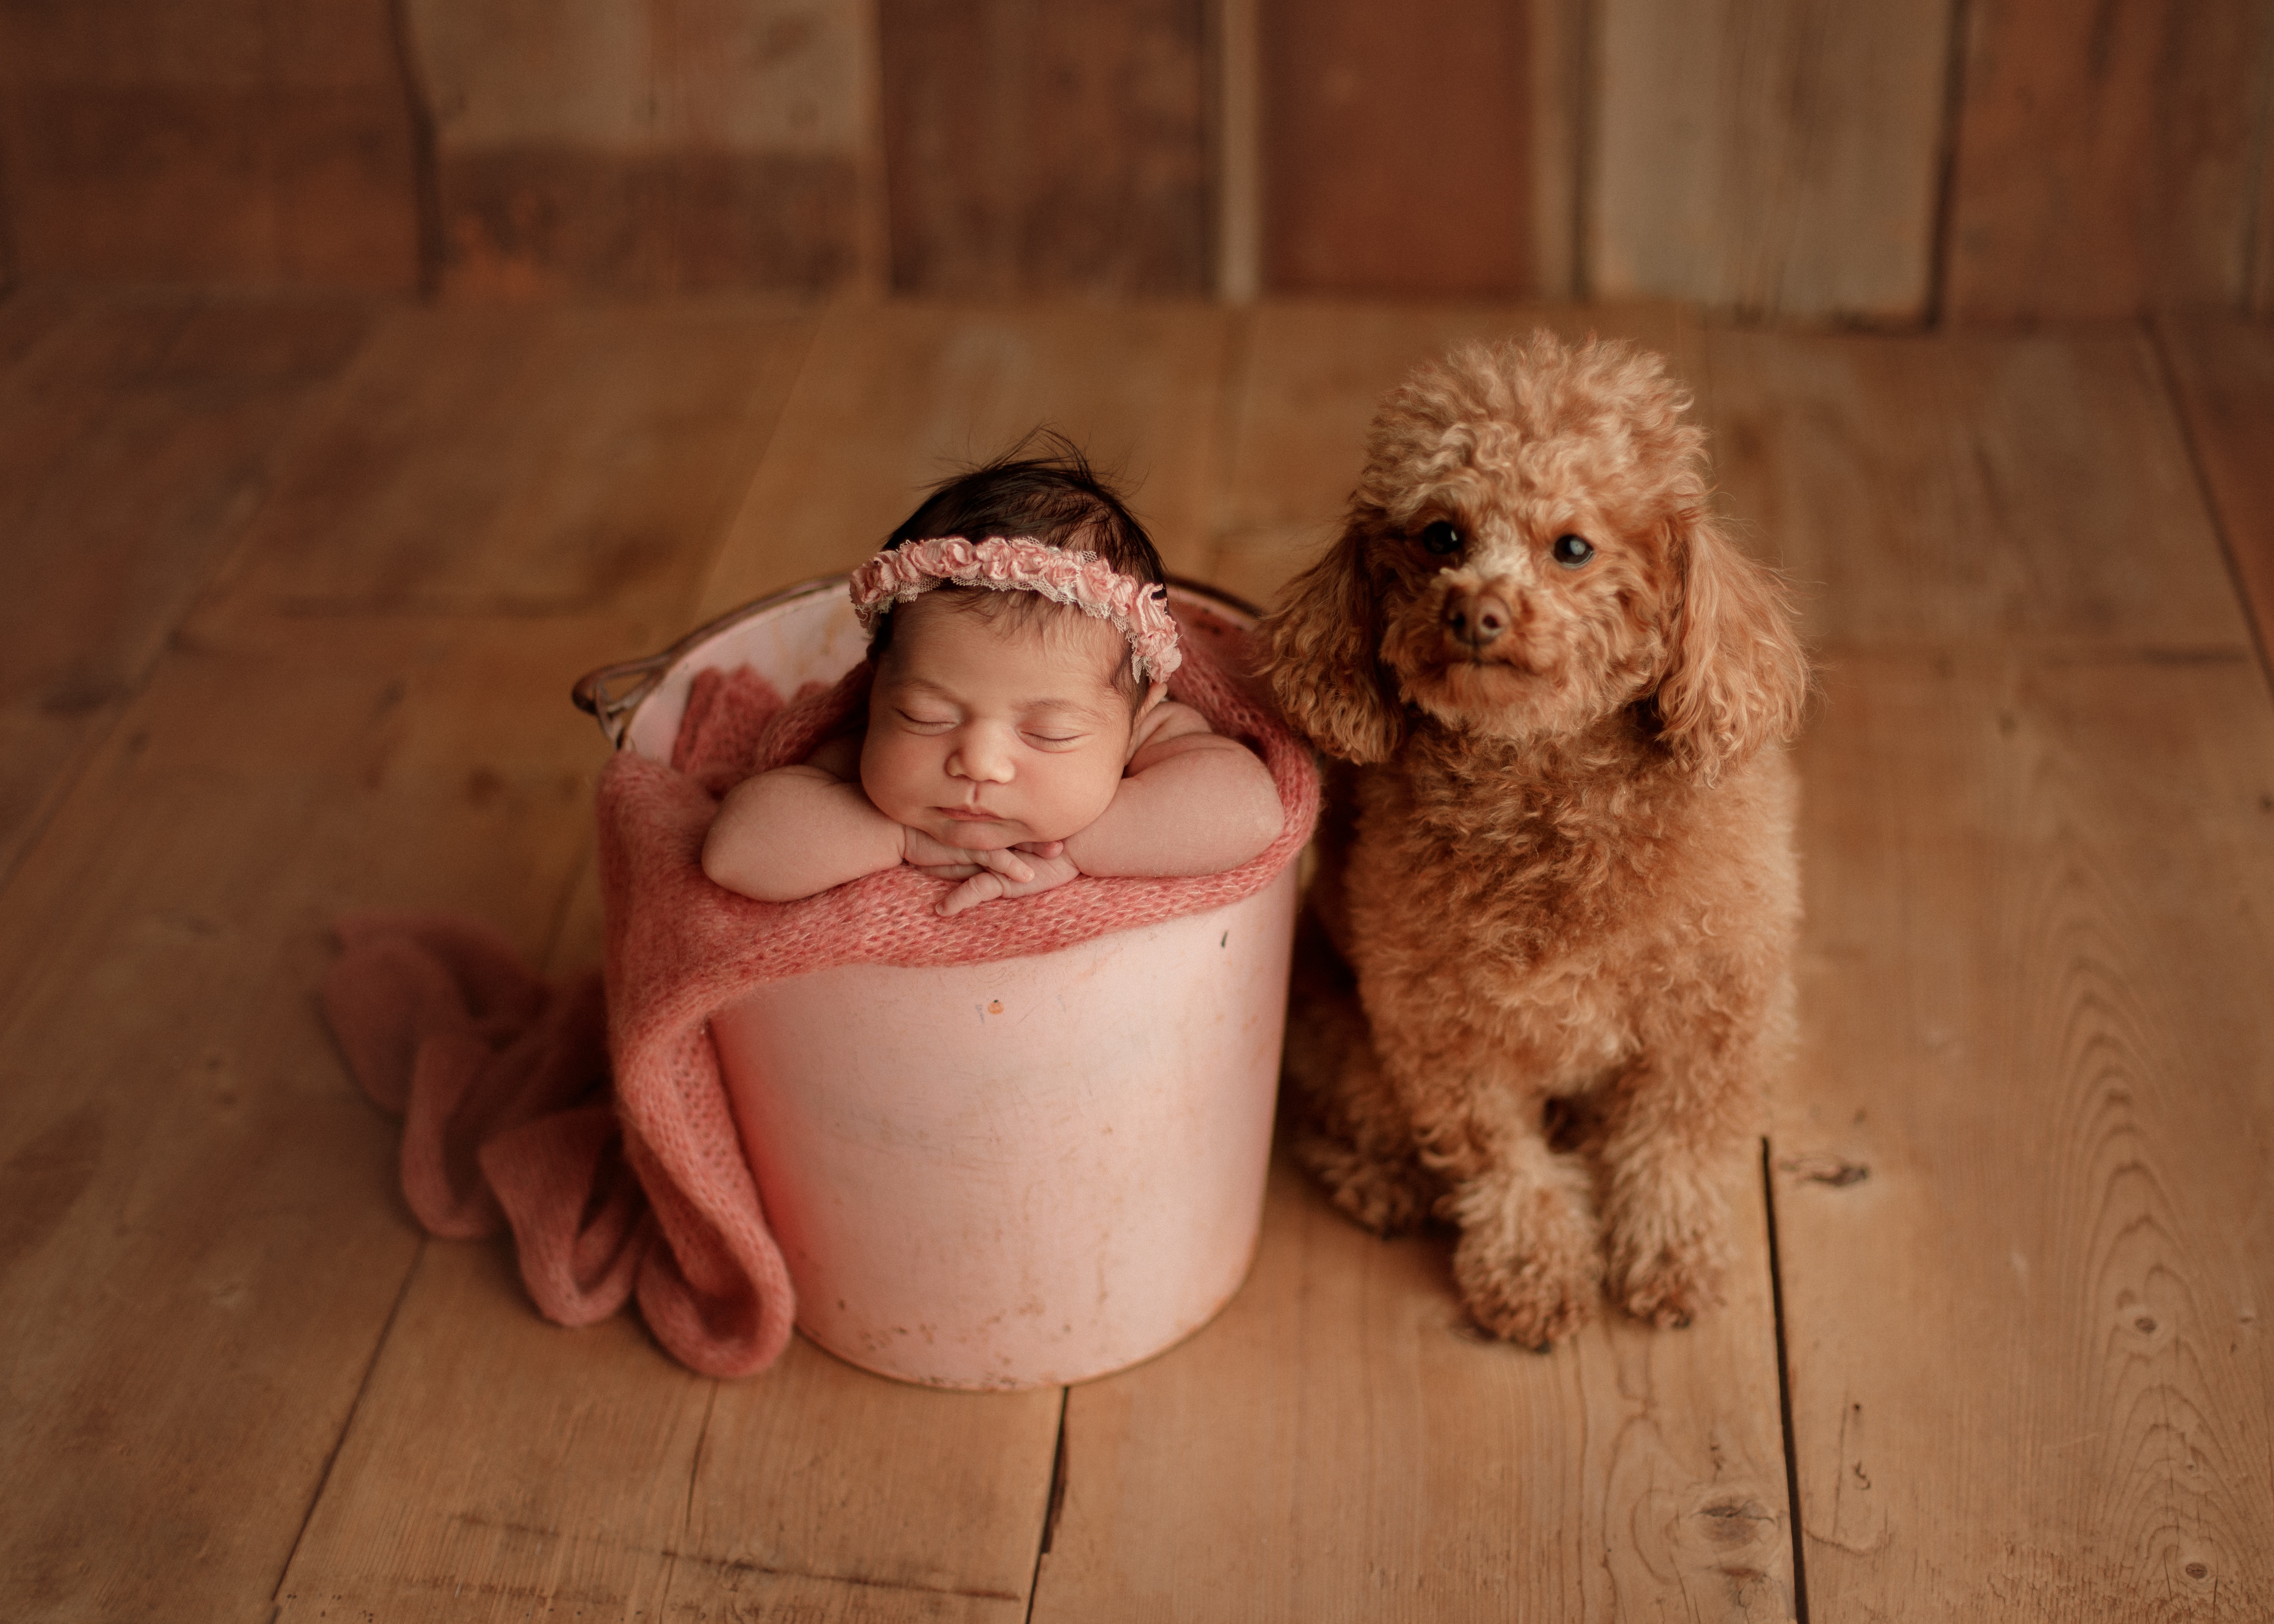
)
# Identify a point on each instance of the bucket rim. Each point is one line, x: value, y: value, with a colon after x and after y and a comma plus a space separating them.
x: 598, y: 695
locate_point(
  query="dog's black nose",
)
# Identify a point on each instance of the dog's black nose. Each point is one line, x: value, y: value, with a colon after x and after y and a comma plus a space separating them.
x: 1476, y: 619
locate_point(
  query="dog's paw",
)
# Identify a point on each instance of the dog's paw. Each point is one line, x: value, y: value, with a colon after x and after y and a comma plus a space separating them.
x: 1666, y: 1262
x: 1528, y: 1265
x: 1532, y: 1305
x: 1385, y: 1196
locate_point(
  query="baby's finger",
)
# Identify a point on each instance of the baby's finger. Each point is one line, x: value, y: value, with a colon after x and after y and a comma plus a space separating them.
x: 1009, y: 864
x: 982, y: 887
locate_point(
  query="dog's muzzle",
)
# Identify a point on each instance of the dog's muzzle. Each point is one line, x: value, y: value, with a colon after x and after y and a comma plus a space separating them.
x: 1475, y: 620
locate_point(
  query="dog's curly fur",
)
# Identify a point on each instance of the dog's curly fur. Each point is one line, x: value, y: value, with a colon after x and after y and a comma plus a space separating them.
x: 1563, y: 869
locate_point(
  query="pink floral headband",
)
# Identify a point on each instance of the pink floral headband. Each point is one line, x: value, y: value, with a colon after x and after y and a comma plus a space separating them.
x: 1138, y: 610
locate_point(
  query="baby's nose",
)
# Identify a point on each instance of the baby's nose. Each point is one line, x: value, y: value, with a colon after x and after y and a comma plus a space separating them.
x: 982, y: 757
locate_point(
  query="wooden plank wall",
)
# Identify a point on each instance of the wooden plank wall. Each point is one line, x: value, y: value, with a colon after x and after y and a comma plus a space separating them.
x: 1776, y: 156
x: 1897, y: 163
x: 656, y: 146
x: 2107, y: 162
x: 1392, y: 165
x: 1059, y: 147
x: 230, y: 141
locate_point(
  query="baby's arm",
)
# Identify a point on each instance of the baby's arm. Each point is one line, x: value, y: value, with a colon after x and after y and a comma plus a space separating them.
x: 1191, y: 803
x: 796, y: 831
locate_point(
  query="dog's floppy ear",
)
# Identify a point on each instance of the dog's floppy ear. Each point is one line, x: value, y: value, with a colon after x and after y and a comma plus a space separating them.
x: 1736, y: 678
x: 1320, y: 648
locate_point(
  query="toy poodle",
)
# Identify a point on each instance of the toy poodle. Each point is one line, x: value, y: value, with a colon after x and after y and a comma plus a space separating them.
x: 1557, y: 886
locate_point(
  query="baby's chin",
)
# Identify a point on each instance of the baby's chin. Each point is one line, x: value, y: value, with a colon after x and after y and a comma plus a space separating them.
x: 971, y: 836
x: 968, y: 836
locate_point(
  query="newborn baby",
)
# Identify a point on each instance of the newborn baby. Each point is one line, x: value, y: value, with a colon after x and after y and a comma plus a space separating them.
x: 1019, y: 730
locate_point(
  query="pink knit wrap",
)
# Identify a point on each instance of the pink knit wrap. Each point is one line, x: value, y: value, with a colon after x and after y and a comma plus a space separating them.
x: 598, y: 1126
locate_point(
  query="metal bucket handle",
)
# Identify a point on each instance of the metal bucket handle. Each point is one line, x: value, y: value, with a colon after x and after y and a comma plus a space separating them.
x: 598, y: 693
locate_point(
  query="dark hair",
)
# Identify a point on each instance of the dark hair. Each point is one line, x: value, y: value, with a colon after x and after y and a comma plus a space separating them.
x: 1055, y: 496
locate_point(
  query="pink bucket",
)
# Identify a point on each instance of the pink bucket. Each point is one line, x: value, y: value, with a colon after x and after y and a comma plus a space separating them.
x: 1006, y: 1175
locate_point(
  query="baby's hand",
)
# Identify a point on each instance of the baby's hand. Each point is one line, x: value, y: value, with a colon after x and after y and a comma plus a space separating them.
x: 1046, y: 867
x: 942, y: 861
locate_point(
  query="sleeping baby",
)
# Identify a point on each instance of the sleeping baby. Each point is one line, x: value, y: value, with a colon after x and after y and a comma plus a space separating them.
x: 1019, y: 729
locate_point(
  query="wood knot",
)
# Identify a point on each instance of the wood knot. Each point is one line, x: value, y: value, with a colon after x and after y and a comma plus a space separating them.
x: 1736, y: 1522
x: 1821, y: 1167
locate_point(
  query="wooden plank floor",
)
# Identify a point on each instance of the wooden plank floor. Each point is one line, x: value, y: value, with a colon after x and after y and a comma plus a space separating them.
x: 296, y: 590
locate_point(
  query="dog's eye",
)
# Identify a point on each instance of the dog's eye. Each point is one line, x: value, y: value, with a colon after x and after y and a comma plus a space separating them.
x: 1441, y: 537
x: 1573, y: 551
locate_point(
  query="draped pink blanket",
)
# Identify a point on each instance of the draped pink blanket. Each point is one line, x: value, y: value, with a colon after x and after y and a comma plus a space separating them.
x: 641, y: 1189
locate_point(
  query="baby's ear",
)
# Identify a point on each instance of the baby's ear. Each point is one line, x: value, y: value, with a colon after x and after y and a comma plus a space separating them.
x: 1736, y: 678
x: 1320, y: 654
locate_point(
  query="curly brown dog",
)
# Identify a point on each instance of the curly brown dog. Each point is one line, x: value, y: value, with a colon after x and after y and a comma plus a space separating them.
x: 1564, y: 869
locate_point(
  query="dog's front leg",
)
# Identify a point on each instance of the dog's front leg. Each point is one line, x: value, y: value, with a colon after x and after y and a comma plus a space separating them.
x: 1529, y: 1262
x: 1676, y: 1124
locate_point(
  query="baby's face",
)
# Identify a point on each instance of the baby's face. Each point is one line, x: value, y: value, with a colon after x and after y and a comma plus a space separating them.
x: 983, y: 734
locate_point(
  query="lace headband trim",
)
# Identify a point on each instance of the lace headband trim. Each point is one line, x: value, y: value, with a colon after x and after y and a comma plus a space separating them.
x: 1137, y: 609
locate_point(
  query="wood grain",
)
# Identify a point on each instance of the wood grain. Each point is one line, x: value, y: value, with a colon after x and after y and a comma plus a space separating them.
x: 203, y: 1223
x: 497, y: 1463
x: 2260, y: 290
x: 528, y: 222
x: 1562, y: 73
x: 1339, y: 1445
x: 10, y: 272
x: 1235, y: 32
x: 2106, y: 158
x: 2222, y: 373
x: 224, y: 142
x: 1311, y: 376
x: 540, y: 460
x: 1776, y: 156
x: 671, y: 147
x: 2017, y: 1173
x: 135, y: 438
x: 28, y: 316
x: 217, y: 1234
x: 1038, y: 149
x: 1398, y: 148
x: 2030, y: 1373
x: 895, y: 397
x: 1923, y: 491
x: 824, y: 1486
